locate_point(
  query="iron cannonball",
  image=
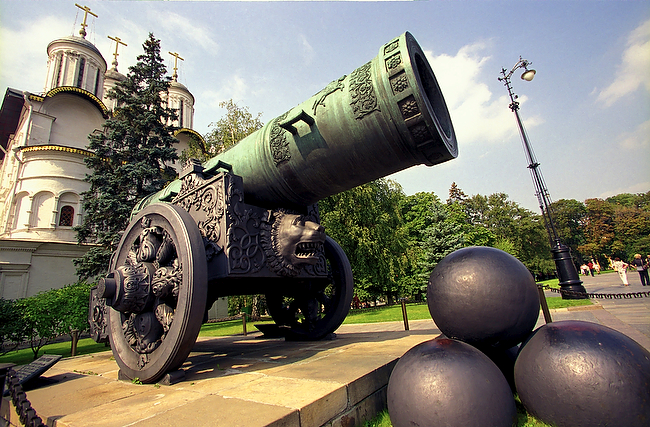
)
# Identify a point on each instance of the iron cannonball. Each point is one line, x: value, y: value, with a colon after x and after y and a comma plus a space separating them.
x: 483, y: 296
x: 504, y: 359
x: 445, y: 382
x: 576, y: 373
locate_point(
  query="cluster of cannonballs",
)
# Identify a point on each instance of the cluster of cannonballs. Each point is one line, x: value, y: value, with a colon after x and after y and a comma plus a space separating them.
x: 568, y: 373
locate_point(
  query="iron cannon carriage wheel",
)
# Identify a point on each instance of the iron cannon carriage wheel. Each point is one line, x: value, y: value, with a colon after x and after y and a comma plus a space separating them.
x: 161, y: 264
x: 320, y: 310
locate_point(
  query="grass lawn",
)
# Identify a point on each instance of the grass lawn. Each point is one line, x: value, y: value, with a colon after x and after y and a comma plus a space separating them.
x: 24, y: 356
x: 384, y: 313
x: 523, y: 418
x: 230, y: 327
x: 233, y: 327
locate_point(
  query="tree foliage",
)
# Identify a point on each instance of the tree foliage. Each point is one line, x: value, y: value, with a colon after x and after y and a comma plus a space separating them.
x: 234, y: 126
x: 48, y: 315
x: 497, y: 221
x: 441, y: 237
x: 569, y: 217
x: 366, y: 221
x: 618, y: 226
x: 132, y: 158
x: 12, y: 331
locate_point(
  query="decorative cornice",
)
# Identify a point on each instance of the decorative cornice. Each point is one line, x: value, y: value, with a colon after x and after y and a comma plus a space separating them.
x: 191, y: 132
x: 18, y: 249
x: 82, y: 92
x: 36, y: 98
x: 57, y: 148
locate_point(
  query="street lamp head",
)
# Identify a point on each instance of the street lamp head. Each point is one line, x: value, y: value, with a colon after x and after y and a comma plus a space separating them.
x: 528, y: 75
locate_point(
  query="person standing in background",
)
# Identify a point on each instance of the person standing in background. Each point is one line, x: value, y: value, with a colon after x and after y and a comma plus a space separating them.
x: 591, y: 268
x: 621, y: 268
x: 642, y: 269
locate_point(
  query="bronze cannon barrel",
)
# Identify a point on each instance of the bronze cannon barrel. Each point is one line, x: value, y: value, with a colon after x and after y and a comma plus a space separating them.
x: 385, y: 116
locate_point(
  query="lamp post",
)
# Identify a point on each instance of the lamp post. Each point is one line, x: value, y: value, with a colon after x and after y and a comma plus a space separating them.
x: 566, y: 270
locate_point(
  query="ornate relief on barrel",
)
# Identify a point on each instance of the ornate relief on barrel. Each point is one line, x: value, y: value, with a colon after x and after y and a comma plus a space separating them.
x: 420, y: 133
x: 393, y: 61
x: 399, y: 83
x: 278, y: 141
x: 408, y: 107
x: 364, y: 100
x: 391, y: 46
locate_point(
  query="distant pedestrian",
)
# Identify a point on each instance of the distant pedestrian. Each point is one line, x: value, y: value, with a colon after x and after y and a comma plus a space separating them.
x: 597, y: 267
x: 642, y: 269
x: 621, y: 269
x: 591, y: 268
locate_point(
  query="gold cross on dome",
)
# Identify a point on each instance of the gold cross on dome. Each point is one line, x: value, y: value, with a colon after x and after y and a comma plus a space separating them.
x: 118, y: 42
x: 86, y: 10
x: 176, y: 58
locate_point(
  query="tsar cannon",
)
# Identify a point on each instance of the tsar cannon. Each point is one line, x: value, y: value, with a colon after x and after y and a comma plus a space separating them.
x: 246, y: 221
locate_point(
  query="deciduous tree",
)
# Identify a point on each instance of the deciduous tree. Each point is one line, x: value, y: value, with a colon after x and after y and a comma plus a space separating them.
x: 367, y: 223
x: 234, y: 126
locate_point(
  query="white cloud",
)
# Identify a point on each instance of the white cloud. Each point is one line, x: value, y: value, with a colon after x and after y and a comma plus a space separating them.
x: 638, y: 139
x: 477, y: 116
x: 632, y: 72
x: 23, y: 52
x: 186, y: 28
x: 306, y: 49
x: 234, y: 88
x: 639, y: 187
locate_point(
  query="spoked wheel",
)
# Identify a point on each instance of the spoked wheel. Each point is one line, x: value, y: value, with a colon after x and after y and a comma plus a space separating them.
x: 157, y: 290
x: 323, y: 305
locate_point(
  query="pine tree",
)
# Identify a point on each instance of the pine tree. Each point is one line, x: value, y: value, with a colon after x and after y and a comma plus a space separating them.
x: 132, y: 157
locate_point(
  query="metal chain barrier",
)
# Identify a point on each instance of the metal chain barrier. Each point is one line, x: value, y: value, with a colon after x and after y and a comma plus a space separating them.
x: 628, y: 295
x: 26, y: 413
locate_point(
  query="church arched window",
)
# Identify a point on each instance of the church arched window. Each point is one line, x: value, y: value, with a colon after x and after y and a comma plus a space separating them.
x: 82, y: 65
x: 23, y: 209
x: 66, y: 216
x: 180, y: 115
x: 96, y: 91
x: 42, y: 208
x: 59, y: 70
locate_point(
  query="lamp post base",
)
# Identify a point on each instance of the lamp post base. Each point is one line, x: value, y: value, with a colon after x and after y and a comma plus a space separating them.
x: 570, y: 283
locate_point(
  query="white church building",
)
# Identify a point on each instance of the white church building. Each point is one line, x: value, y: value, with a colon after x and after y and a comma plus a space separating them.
x: 43, y: 139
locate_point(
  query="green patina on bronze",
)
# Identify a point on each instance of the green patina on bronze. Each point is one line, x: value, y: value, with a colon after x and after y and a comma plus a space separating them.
x: 385, y: 116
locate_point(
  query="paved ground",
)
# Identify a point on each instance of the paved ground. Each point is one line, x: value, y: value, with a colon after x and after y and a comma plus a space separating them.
x: 251, y: 381
x: 630, y: 316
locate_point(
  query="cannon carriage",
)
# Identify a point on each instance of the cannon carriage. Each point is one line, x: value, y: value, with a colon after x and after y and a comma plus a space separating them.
x: 246, y: 221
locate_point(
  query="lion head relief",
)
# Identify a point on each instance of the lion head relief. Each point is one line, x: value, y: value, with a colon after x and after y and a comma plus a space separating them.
x: 291, y: 241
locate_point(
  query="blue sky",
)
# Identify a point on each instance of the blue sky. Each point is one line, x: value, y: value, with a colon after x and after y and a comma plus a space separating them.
x: 587, y: 112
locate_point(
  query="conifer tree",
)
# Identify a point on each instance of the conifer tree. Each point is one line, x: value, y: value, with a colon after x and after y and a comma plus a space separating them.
x: 132, y: 158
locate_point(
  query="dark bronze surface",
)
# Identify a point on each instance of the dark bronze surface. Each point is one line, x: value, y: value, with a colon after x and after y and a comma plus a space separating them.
x: 483, y: 296
x: 445, y: 382
x: 576, y: 373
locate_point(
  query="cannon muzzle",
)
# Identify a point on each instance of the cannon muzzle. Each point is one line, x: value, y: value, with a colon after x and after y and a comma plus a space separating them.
x: 385, y: 116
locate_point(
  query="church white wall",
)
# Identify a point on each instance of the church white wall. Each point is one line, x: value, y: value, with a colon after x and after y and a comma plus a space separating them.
x: 41, y: 128
x: 76, y: 118
x: 28, y: 267
x: 49, y: 180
